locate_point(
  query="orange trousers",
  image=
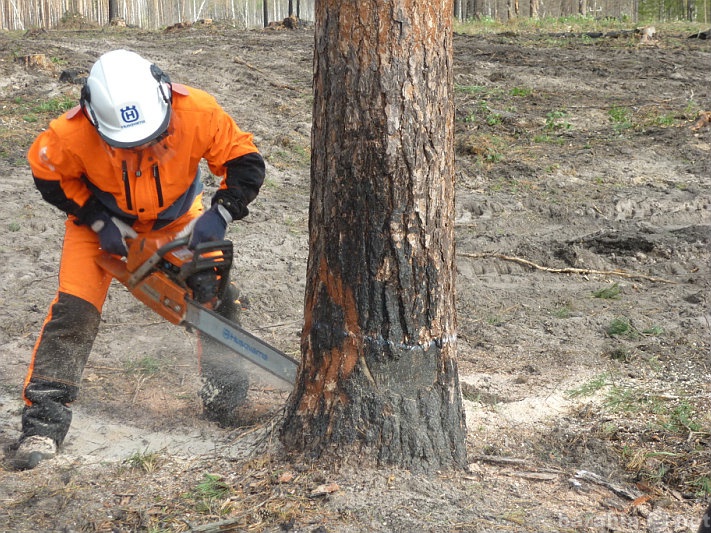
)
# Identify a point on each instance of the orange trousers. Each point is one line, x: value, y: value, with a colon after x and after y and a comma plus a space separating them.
x: 69, y: 330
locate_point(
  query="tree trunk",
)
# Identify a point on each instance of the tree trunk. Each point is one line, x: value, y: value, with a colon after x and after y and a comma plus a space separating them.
x: 113, y: 10
x: 378, y: 379
x: 534, y: 8
x: 265, y: 13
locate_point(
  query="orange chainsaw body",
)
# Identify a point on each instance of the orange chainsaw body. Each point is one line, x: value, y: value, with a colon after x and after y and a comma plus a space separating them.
x: 157, y: 271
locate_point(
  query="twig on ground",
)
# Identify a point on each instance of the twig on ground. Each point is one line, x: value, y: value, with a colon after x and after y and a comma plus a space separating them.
x: 246, y: 64
x: 617, y: 489
x: 230, y: 524
x: 568, y: 270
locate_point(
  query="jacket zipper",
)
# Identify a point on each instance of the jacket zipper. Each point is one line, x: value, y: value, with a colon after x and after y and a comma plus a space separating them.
x: 126, y: 185
x: 159, y: 189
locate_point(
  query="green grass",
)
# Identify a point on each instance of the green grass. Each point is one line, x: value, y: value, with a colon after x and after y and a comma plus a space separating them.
x: 563, y: 311
x: 572, y: 24
x: 620, y: 326
x: 146, y: 461
x: 471, y: 89
x: 56, y: 105
x: 33, y: 111
x: 555, y: 121
x: 608, y: 293
x: 521, y: 91
x: 621, y: 118
x: 589, y: 388
x: 145, y: 366
x: 702, y: 485
x: 211, y: 495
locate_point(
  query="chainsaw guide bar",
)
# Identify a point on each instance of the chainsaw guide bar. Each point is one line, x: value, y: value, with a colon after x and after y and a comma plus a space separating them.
x: 160, y: 274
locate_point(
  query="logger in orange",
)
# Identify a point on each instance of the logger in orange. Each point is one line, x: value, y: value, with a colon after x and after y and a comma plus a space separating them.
x: 122, y: 163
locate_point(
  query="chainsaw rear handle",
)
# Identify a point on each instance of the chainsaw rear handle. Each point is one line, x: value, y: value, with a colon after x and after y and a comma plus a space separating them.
x: 212, y: 255
x: 207, y: 274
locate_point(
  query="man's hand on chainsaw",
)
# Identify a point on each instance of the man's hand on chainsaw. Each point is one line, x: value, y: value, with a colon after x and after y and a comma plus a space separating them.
x: 211, y: 226
x: 113, y: 234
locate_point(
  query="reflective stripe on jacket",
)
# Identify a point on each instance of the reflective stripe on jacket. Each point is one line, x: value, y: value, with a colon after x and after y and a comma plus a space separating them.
x: 157, y: 184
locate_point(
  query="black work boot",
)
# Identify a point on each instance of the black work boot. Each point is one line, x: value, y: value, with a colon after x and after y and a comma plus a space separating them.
x: 30, y: 451
x: 45, y: 422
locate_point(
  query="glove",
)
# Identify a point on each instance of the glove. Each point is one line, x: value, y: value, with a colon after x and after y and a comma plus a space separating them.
x: 211, y: 226
x: 113, y: 234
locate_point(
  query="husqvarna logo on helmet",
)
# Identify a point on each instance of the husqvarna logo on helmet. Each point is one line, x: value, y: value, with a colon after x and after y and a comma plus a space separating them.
x: 130, y: 116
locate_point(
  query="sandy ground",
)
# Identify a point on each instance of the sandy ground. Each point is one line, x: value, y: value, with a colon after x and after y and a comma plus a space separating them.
x: 583, y: 223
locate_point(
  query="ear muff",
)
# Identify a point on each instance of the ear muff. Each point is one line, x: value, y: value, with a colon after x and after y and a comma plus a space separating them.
x: 84, y: 103
x: 166, y: 89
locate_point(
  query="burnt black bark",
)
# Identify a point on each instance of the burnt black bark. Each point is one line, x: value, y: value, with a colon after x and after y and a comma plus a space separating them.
x: 379, y: 371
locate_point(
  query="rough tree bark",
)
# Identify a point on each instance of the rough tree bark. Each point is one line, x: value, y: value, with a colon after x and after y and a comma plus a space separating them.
x: 379, y: 378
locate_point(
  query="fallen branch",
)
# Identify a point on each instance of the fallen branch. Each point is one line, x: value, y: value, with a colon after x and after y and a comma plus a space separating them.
x: 241, y: 61
x: 590, y: 477
x: 569, y: 270
x: 499, y: 460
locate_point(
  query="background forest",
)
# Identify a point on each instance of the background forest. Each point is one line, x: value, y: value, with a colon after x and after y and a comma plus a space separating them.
x: 154, y: 14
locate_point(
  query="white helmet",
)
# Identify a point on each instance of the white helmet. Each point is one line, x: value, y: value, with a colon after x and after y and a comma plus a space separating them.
x: 127, y: 99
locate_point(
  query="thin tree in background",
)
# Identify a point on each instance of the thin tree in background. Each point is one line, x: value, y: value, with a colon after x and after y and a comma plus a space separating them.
x: 534, y: 8
x: 113, y: 10
x: 379, y: 379
x: 265, y: 13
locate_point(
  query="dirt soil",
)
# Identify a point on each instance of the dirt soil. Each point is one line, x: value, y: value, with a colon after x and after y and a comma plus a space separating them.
x: 583, y: 223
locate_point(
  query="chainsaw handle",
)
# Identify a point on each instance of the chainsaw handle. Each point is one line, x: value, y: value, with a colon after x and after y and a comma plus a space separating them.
x: 210, y: 262
x: 142, y: 271
x: 209, y: 255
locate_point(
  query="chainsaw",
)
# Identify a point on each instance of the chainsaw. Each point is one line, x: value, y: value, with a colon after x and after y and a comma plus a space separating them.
x: 184, y: 286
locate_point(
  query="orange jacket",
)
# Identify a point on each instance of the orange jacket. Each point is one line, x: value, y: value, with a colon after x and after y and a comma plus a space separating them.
x: 152, y: 186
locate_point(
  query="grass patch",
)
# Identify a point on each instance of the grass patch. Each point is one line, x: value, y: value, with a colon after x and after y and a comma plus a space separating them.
x: 620, y: 118
x: 591, y: 387
x: 563, y: 311
x: 33, y: 111
x: 571, y: 24
x: 620, y: 326
x: 145, y: 461
x: 146, y: 366
x: 608, y: 293
x: 555, y: 121
x: 471, y: 89
x: 521, y: 91
x: 211, y: 495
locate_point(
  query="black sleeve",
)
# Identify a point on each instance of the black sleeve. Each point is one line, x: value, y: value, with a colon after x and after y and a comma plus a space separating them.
x: 245, y: 176
x: 53, y: 193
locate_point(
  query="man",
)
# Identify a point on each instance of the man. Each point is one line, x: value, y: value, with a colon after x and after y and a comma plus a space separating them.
x: 123, y: 163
